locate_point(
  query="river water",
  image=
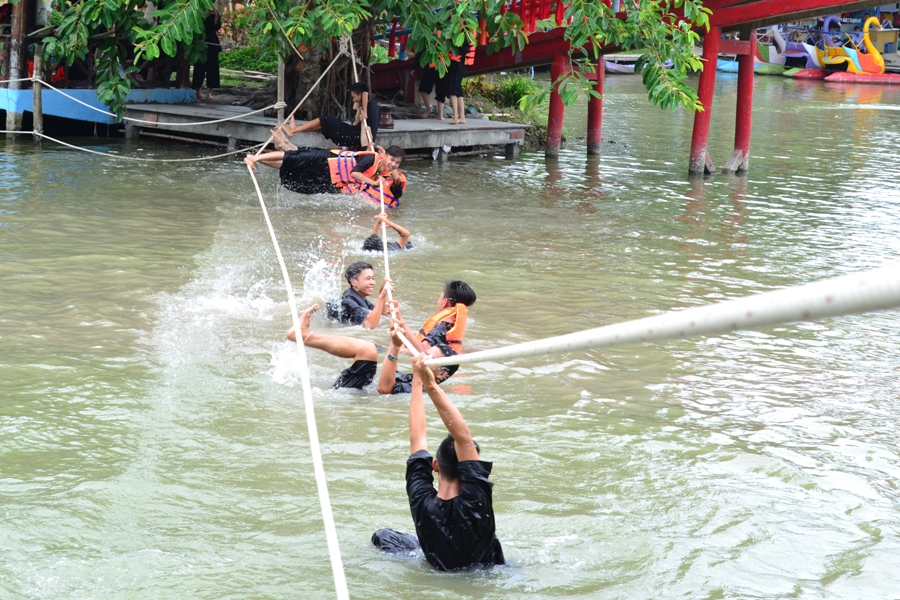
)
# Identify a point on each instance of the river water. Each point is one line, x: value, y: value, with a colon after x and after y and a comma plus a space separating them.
x: 152, y: 435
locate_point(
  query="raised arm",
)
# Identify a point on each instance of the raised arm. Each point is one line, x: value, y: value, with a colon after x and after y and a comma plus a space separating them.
x: 418, y: 440
x: 401, y: 231
x: 450, y: 415
x: 371, y: 321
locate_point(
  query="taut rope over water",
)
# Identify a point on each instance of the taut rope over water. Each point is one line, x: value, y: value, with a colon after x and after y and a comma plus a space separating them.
x: 387, y: 270
x: 850, y: 294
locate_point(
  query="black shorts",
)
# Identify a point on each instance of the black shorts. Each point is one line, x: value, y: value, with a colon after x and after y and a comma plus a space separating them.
x: 305, y: 171
x: 455, y: 75
x: 431, y: 81
x: 362, y: 372
x: 358, y: 375
x: 394, y: 542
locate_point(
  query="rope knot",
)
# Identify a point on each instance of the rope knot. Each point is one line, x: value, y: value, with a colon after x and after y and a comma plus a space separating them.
x: 279, y: 105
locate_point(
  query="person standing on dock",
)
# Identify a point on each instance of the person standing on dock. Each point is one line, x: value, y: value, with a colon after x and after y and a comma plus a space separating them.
x: 455, y: 75
x: 455, y: 525
x: 432, y: 82
x: 209, y: 69
x: 346, y: 135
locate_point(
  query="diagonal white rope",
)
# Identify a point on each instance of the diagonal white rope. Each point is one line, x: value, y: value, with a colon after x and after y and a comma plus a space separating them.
x: 123, y: 157
x: 387, y: 270
x: 133, y: 120
x: 342, y: 52
x: 850, y: 294
x: 334, y: 551
x: 365, y: 126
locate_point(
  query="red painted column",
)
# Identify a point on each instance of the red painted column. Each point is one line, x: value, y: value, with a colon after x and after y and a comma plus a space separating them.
x: 595, y: 113
x: 744, y: 115
x: 705, y: 91
x: 557, y: 109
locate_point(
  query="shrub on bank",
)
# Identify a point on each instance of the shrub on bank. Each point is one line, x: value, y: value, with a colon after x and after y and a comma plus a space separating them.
x: 247, y: 59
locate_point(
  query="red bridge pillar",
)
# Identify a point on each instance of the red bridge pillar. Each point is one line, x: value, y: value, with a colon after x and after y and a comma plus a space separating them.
x: 739, y: 162
x: 595, y: 113
x: 700, y: 161
x: 557, y: 110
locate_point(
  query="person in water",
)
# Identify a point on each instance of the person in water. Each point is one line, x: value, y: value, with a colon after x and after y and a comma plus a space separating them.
x: 441, y: 335
x: 455, y: 525
x: 345, y: 134
x: 374, y: 243
x: 317, y: 171
x: 352, y: 308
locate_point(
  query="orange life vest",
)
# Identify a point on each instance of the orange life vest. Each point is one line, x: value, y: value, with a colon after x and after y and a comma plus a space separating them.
x: 341, y: 165
x: 456, y: 315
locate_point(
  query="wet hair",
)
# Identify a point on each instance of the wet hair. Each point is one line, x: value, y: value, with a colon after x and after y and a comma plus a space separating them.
x: 373, y: 242
x: 396, y: 152
x: 359, y: 87
x: 459, y: 292
x: 355, y: 269
x: 447, y: 460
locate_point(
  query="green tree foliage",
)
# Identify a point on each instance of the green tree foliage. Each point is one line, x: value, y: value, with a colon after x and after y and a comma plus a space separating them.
x: 662, y: 30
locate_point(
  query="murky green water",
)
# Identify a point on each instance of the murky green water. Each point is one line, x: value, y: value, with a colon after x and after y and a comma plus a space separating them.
x: 152, y: 435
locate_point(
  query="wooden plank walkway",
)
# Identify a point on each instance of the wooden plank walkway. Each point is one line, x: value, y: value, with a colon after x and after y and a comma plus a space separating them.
x: 419, y: 136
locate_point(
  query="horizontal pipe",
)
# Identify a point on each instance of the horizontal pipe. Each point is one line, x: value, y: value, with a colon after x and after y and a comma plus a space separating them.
x: 850, y: 294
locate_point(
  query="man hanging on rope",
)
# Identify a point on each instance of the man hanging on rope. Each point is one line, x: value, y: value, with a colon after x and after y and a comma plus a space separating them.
x: 455, y: 525
x: 353, y: 308
x: 345, y: 134
x: 318, y: 171
x: 442, y: 335
x: 373, y: 243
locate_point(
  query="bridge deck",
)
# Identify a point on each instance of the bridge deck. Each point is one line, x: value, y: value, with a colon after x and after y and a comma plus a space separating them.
x: 410, y: 134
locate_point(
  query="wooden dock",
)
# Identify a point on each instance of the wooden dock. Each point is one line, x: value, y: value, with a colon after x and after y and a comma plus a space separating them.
x: 416, y: 136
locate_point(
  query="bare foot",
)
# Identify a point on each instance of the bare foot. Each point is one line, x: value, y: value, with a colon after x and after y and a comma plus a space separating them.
x: 281, y: 141
x: 454, y: 121
x: 461, y: 122
x: 304, y: 324
x: 250, y: 161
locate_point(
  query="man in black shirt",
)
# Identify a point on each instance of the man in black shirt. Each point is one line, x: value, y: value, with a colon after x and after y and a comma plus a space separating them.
x: 353, y: 308
x: 455, y: 525
x: 345, y: 134
x: 373, y: 243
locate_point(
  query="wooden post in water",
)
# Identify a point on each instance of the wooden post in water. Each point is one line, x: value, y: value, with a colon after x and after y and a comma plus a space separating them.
x: 700, y: 161
x: 280, y: 88
x: 557, y: 108
x: 595, y: 112
x: 38, y: 100
x: 16, y: 62
x: 744, y: 111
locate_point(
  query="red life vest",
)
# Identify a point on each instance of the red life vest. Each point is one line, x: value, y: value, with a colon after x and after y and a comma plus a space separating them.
x: 341, y: 166
x: 456, y: 315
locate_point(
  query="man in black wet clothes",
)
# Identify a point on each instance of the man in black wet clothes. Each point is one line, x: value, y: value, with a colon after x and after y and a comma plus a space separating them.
x: 353, y: 308
x: 345, y: 134
x: 441, y: 335
x: 373, y: 242
x: 455, y: 525
x: 319, y: 171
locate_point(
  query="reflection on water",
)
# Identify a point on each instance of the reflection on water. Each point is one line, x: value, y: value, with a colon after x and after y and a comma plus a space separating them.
x: 152, y: 441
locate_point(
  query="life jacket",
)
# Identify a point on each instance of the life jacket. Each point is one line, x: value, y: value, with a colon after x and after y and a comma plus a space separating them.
x: 342, y: 164
x: 452, y: 314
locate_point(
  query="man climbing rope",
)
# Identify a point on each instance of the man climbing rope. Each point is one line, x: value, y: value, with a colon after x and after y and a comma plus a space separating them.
x: 317, y: 171
x: 455, y: 525
x: 441, y: 335
x: 373, y: 243
x: 352, y: 308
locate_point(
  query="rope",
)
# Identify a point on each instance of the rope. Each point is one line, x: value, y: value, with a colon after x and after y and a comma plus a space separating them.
x: 334, y: 551
x: 17, y: 80
x: 365, y: 126
x: 121, y: 157
x: 286, y: 36
x: 387, y: 270
x: 851, y: 294
x: 310, y: 91
x: 276, y: 106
